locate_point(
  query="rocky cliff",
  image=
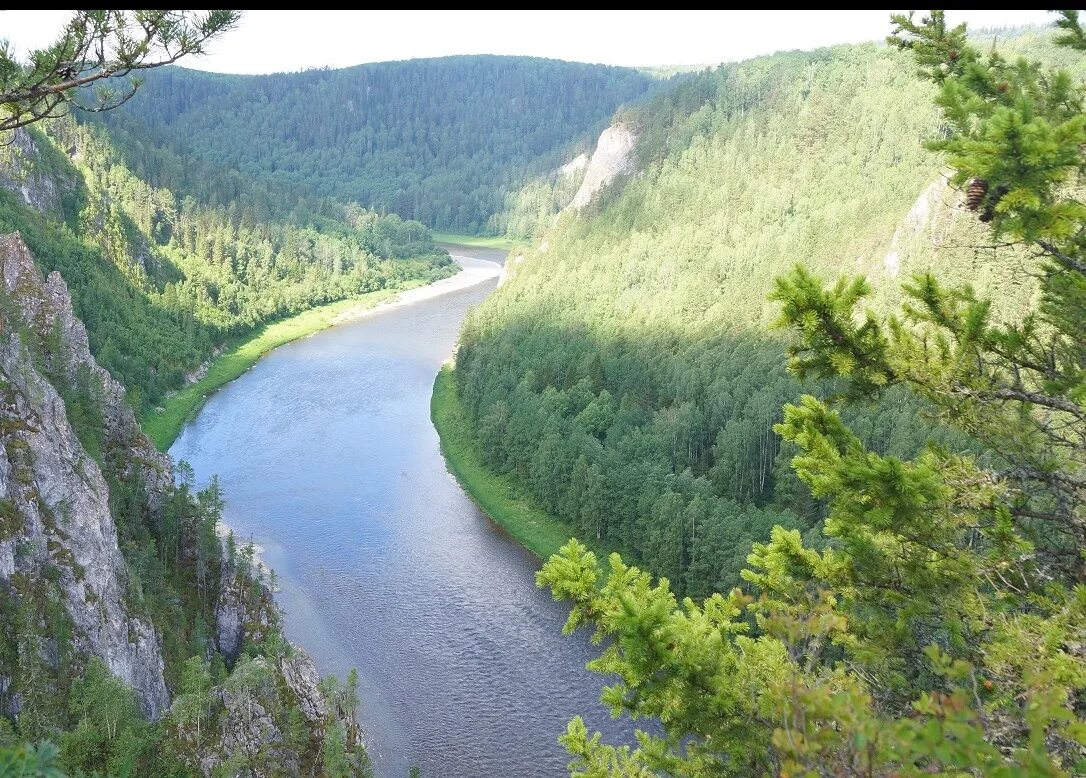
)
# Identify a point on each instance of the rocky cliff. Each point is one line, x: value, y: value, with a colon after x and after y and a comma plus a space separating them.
x: 67, y: 594
x: 612, y: 158
x: 22, y: 172
x: 58, y: 530
x: 253, y: 712
x: 43, y: 307
x: 245, y: 610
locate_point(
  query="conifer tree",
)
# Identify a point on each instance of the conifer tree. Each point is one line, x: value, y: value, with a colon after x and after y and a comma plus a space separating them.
x: 99, y: 49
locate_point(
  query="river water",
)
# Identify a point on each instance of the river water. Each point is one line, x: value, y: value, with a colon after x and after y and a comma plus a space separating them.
x: 330, y: 464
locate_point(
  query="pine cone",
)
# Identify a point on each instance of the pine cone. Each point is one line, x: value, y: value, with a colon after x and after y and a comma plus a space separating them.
x: 974, y: 196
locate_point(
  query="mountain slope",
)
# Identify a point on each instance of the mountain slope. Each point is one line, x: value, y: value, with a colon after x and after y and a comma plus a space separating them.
x: 162, y: 281
x: 55, y: 496
x: 627, y: 374
x: 440, y: 140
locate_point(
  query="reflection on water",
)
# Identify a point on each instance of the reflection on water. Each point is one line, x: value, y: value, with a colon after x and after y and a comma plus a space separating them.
x: 329, y: 462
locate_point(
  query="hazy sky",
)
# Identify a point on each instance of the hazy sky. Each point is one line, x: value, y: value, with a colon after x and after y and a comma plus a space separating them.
x: 270, y: 41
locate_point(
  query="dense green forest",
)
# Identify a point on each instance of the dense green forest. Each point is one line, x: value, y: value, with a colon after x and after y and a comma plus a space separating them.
x: 443, y: 141
x: 161, y: 281
x: 935, y: 626
x: 872, y: 489
x: 627, y: 373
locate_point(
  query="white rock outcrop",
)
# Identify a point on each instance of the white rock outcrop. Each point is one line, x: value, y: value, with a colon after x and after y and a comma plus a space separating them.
x: 613, y: 157
x: 574, y: 166
x: 928, y: 206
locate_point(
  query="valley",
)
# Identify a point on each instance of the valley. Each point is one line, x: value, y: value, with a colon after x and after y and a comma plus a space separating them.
x: 329, y: 463
x: 480, y: 415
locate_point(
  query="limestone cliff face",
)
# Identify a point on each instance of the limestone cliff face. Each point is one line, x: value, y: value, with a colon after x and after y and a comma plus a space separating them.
x: 45, y: 307
x: 60, y: 528
x: 245, y: 610
x: 301, y: 677
x: 249, y: 719
x: 59, y: 546
x: 62, y: 574
x: 613, y: 157
x: 58, y: 523
x: 21, y: 173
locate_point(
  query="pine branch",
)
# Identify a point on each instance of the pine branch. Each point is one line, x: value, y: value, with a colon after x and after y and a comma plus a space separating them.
x: 100, y: 46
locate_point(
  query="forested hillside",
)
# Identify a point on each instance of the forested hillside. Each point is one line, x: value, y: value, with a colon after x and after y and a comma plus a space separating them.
x: 935, y: 623
x: 162, y: 280
x: 628, y: 373
x: 442, y: 141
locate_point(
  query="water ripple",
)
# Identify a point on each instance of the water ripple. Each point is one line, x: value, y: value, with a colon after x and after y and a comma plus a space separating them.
x: 329, y: 461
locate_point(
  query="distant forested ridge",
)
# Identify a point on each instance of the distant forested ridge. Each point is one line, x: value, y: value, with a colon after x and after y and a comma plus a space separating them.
x: 628, y: 373
x: 443, y: 141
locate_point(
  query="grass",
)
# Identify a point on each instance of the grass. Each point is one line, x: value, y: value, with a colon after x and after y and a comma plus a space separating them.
x: 479, y: 241
x: 164, y: 424
x: 499, y: 496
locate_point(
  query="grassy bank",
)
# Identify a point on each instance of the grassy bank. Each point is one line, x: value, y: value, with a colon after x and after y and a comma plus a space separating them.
x: 499, y: 496
x: 164, y: 424
x: 476, y: 241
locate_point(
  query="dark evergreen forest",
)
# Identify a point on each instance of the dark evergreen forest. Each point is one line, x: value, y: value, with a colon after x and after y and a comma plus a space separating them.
x: 442, y: 141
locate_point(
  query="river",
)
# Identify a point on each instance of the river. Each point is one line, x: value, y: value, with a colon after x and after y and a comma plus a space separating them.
x: 331, y: 465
